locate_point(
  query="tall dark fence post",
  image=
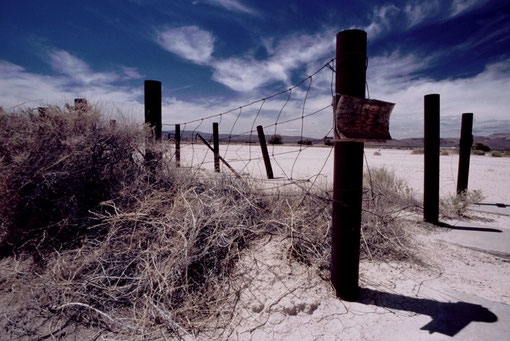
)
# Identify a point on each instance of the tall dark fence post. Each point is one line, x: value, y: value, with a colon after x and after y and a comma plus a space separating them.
x: 152, y: 94
x: 466, y: 142
x: 431, y: 179
x: 351, y: 47
x: 178, y: 145
x: 216, y: 147
x: 265, y: 154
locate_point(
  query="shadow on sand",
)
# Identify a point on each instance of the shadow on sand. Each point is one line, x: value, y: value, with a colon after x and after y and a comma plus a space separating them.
x: 468, y: 228
x: 447, y: 318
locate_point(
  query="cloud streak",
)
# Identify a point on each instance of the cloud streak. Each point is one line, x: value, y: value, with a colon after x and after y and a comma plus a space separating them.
x: 188, y: 42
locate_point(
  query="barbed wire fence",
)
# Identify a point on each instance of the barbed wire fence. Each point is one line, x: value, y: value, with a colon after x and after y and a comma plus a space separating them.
x: 292, y: 115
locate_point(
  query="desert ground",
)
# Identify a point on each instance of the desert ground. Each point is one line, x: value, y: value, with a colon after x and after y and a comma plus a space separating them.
x: 488, y: 174
x: 457, y: 286
x: 460, y: 291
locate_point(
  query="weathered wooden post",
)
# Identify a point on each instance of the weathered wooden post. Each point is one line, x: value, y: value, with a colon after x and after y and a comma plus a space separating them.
x: 152, y: 94
x: 465, y: 144
x: 431, y: 159
x: 178, y: 145
x: 351, y: 46
x: 216, y: 147
x: 265, y: 154
x: 80, y: 104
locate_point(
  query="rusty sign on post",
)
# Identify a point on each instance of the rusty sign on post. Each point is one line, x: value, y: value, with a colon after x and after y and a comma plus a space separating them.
x: 359, y: 119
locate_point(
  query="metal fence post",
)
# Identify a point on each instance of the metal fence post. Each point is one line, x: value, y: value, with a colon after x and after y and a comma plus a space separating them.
x: 350, y: 80
x: 431, y: 159
x: 265, y: 154
x: 465, y: 144
x: 216, y: 147
x: 177, y: 145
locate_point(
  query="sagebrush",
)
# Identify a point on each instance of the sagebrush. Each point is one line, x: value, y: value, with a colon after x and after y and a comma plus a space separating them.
x: 134, y: 246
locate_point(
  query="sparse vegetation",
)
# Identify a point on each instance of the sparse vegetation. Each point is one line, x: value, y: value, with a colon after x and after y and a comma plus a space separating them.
x: 377, y: 153
x: 481, y: 146
x: 306, y: 142
x: 275, y: 139
x: 418, y: 151
x: 455, y: 206
x: 477, y: 152
x: 496, y: 154
x: 100, y: 237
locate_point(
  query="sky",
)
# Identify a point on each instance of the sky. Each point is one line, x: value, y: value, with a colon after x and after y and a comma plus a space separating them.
x: 213, y: 56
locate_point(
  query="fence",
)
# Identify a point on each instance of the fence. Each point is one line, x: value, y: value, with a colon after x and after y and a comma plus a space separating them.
x: 277, y: 110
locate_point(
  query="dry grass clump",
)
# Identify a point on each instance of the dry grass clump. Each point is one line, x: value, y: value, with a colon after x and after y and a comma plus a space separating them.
x: 456, y: 205
x: 383, y: 232
x: 144, y: 248
x: 56, y: 166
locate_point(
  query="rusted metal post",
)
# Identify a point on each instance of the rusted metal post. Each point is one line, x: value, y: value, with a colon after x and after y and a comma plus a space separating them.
x: 177, y: 145
x: 431, y: 159
x: 216, y: 147
x: 152, y: 94
x: 466, y: 141
x: 351, y: 47
x: 265, y: 154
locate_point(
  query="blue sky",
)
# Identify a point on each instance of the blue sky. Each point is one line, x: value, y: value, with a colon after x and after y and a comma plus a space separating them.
x: 214, y: 55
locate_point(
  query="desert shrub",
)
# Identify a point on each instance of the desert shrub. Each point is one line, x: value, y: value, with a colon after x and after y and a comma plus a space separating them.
x: 506, y: 153
x: 383, y: 234
x: 418, y: 151
x: 481, y: 146
x: 149, y: 247
x: 306, y: 142
x: 496, y: 154
x: 57, y: 166
x: 328, y: 141
x: 377, y: 153
x: 444, y: 152
x: 454, y: 206
x: 477, y: 152
x: 275, y: 139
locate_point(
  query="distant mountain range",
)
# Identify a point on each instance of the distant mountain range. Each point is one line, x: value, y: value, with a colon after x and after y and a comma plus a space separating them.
x: 495, y: 141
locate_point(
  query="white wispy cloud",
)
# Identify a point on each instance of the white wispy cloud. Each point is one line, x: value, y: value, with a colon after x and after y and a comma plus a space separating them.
x: 76, y: 69
x: 247, y: 73
x: 21, y: 87
x: 391, y: 78
x: 232, y: 5
x: 382, y: 19
x: 459, y: 6
x: 188, y: 42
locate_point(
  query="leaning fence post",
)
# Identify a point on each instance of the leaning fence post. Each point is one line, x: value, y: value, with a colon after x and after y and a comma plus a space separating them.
x: 152, y: 94
x: 350, y: 79
x: 216, y: 147
x: 431, y: 159
x: 466, y: 141
x: 178, y: 145
x: 265, y: 154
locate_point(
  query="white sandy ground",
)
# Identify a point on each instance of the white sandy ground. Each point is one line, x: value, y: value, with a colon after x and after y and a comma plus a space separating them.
x: 459, y: 292
x: 462, y: 292
x: 489, y: 174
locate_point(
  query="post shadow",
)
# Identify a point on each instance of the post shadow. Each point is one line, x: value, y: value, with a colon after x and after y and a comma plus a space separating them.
x: 447, y: 318
x: 469, y: 228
